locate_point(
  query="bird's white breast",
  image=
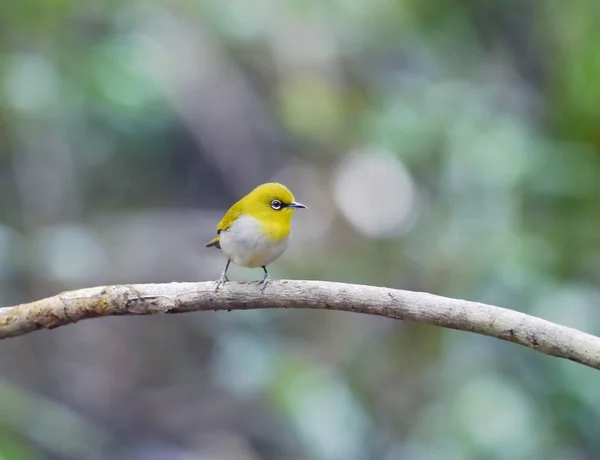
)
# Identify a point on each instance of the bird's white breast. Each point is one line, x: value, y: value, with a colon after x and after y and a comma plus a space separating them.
x: 247, y: 245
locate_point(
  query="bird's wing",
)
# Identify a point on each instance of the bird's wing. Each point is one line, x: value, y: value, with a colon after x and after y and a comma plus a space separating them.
x: 229, y: 218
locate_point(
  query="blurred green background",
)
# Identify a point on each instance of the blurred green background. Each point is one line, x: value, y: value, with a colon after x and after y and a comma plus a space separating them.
x: 450, y: 146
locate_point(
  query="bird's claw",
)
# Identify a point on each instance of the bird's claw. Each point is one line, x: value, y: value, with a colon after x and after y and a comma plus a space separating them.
x: 221, y: 281
x: 263, y: 283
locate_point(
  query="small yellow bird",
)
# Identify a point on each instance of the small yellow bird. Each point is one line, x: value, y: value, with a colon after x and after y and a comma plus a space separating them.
x: 256, y: 230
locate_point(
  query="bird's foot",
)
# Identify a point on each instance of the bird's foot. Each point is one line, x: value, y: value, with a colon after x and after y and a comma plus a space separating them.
x: 263, y: 282
x: 220, y: 282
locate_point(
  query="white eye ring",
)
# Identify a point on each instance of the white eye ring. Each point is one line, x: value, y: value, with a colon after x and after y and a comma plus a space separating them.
x: 276, y: 205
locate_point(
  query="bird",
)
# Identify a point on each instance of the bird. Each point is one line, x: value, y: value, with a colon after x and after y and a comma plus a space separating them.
x: 255, y: 231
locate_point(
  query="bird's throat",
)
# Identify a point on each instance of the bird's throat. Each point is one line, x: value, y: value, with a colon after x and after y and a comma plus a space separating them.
x: 276, y: 231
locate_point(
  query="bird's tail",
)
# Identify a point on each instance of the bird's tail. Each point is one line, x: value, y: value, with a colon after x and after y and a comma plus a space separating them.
x: 214, y: 242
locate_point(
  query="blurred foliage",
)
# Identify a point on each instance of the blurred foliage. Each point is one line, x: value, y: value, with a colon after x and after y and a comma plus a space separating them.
x: 445, y: 146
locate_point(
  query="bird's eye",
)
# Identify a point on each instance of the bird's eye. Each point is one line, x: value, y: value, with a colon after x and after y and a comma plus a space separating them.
x: 276, y: 205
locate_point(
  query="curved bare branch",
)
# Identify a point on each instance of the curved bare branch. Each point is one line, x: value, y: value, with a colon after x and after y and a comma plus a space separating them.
x: 147, y: 299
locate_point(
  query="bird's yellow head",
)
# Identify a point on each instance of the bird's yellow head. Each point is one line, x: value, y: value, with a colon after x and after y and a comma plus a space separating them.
x: 271, y: 202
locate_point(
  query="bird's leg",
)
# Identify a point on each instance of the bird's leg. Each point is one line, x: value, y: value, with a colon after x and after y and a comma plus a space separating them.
x: 223, y: 279
x: 265, y: 279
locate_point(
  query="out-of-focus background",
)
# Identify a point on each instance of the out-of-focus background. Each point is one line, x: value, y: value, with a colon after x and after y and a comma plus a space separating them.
x: 447, y: 146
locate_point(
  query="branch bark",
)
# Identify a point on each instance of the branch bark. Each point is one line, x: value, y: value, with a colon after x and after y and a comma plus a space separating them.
x: 148, y: 299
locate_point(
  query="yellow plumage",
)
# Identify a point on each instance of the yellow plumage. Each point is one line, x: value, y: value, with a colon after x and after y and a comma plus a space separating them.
x: 255, y: 230
x: 258, y: 205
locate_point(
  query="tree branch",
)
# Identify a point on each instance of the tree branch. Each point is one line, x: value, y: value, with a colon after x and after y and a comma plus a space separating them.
x: 147, y: 299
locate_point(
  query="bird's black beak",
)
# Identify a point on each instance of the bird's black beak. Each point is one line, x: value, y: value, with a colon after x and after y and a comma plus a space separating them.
x: 293, y: 204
